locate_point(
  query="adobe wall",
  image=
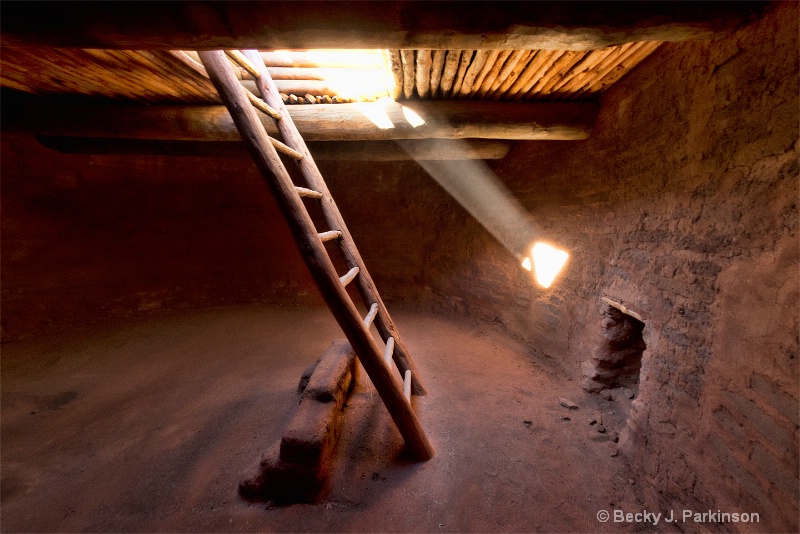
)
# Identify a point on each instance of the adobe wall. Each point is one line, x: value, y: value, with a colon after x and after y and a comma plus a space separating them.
x: 682, y: 206
x: 89, y: 237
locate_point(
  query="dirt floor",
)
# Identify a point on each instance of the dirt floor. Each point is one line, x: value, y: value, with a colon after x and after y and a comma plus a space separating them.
x: 147, y: 424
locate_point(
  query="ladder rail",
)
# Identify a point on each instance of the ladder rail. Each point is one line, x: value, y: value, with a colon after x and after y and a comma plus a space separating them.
x: 313, y: 252
x: 364, y: 284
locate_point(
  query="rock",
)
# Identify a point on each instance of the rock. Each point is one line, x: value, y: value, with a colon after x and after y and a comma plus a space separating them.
x: 567, y: 404
x: 615, y: 454
x: 615, y: 438
x: 608, y: 397
x: 565, y: 418
x: 527, y: 422
x: 591, y: 419
x: 601, y: 429
x: 628, y: 393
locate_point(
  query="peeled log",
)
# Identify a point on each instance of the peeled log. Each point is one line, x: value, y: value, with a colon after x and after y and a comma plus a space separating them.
x: 416, y: 149
x: 423, y: 78
x: 407, y: 57
x: 473, y: 70
x: 397, y: 73
x: 449, y: 72
x: 322, y: 122
x: 436, y: 71
x: 466, y: 57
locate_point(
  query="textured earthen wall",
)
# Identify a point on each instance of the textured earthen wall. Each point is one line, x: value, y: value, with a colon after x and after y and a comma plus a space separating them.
x: 86, y: 237
x: 682, y: 206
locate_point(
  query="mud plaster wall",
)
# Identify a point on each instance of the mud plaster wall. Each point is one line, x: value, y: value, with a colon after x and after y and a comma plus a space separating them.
x: 91, y: 237
x: 683, y: 206
x: 87, y: 237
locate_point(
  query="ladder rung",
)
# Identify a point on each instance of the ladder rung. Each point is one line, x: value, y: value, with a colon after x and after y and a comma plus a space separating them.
x: 289, y: 151
x: 373, y: 311
x: 388, y: 351
x: 310, y: 193
x: 327, y: 236
x: 348, y: 277
x: 262, y: 106
x: 243, y: 62
x: 407, y: 385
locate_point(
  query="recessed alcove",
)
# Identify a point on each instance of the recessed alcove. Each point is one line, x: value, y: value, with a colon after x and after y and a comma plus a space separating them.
x: 617, y: 359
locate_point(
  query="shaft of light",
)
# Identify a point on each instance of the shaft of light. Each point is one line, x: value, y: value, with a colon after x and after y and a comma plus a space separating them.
x: 473, y: 184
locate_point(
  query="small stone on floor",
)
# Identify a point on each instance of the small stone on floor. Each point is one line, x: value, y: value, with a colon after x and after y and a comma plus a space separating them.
x: 567, y: 403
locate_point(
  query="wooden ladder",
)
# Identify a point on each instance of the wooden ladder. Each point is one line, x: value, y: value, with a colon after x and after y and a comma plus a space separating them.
x: 242, y: 105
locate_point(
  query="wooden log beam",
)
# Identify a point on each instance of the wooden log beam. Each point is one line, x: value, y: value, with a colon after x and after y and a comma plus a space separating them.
x: 436, y: 71
x: 423, y: 72
x: 194, y: 25
x: 407, y: 59
x: 397, y: 73
x: 466, y: 59
x: 452, y: 60
x: 414, y: 149
x: 321, y: 122
x: 473, y: 71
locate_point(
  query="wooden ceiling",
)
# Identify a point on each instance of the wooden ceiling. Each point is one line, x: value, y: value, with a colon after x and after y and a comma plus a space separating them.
x: 479, y: 73
x: 159, y: 77
x: 514, y: 74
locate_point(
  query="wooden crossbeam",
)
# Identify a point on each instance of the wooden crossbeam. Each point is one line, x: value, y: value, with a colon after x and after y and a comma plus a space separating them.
x: 379, y: 24
x: 322, y: 122
x: 413, y: 149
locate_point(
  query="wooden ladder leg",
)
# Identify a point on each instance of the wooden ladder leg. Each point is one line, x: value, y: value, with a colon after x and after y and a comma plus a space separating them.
x: 313, y: 252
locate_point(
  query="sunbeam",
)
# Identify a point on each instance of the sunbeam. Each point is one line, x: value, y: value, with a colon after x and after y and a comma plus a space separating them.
x: 473, y: 184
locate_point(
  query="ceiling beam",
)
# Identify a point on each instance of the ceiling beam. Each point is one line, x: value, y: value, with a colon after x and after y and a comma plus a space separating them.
x: 416, y: 149
x: 194, y: 25
x: 321, y: 122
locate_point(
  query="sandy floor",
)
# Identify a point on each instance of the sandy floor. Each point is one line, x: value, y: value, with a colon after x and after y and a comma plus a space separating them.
x: 146, y: 425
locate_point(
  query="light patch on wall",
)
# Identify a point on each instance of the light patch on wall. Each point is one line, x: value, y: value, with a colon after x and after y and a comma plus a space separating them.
x: 376, y: 112
x: 547, y: 263
x: 412, y: 117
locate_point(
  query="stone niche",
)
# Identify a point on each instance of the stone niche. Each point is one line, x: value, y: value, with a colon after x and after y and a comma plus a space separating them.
x: 618, y: 358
